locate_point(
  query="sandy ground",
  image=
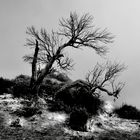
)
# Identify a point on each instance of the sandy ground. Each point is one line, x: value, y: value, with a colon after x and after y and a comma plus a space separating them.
x: 97, y: 127
x: 36, y: 122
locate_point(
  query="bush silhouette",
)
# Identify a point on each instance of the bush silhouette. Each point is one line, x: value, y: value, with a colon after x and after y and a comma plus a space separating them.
x: 67, y: 97
x: 128, y: 112
x: 22, y: 79
x: 48, y: 88
x: 62, y: 77
x: 21, y: 87
x: 5, y: 85
x: 27, y: 112
x: 89, y: 101
x: 78, y: 119
x: 80, y: 97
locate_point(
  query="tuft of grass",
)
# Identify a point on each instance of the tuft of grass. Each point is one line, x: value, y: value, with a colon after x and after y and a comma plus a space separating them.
x: 127, y: 112
x: 27, y: 112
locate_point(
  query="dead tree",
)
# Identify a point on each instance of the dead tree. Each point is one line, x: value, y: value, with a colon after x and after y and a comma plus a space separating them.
x: 103, y: 77
x: 75, y: 32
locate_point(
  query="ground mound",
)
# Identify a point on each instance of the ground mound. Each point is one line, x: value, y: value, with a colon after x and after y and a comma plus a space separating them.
x: 51, y: 125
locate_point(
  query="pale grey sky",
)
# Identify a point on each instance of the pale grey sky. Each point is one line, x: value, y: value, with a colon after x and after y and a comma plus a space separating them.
x: 121, y: 17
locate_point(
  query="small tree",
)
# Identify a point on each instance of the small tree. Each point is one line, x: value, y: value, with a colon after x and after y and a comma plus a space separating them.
x: 75, y: 32
x: 101, y: 79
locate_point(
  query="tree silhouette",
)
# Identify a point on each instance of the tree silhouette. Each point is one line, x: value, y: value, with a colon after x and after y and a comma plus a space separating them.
x: 76, y: 32
x: 102, y: 78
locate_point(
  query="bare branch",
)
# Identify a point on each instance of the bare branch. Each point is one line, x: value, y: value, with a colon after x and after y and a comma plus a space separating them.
x: 113, y: 70
x: 94, y: 76
x: 50, y: 47
x: 32, y: 32
x: 104, y: 76
x: 65, y: 63
x: 80, y: 33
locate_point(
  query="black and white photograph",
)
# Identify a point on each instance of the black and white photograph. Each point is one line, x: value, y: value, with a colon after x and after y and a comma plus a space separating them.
x: 69, y: 69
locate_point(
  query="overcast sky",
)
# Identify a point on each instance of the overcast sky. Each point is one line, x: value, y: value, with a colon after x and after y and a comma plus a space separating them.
x: 120, y: 17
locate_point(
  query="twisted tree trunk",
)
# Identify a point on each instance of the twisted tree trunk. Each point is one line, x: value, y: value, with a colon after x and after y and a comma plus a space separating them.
x: 34, y: 68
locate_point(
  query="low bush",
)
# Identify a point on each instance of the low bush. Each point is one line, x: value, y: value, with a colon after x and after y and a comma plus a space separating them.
x: 80, y: 97
x: 27, y: 112
x: 62, y: 77
x: 21, y: 90
x: 92, y: 103
x: 47, y: 88
x: 22, y: 79
x: 5, y: 85
x: 21, y: 87
x: 79, y: 103
x: 67, y: 97
x: 127, y: 112
x: 55, y: 106
x: 78, y: 119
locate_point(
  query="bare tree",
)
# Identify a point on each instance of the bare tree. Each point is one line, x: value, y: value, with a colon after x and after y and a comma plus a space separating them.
x: 75, y: 32
x: 102, y: 78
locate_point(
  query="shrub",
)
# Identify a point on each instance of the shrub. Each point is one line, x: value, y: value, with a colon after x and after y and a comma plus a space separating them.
x: 21, y: 90
x: 5, y: 85
x: 67, y: 97
x: 55, y: 106
x: 27, y: 112
x: 128, y: 112
x: 78, y: 119
x: 21, y: 87
x: 80, y: 97
x: 62, y: 77
x: 89, y: 101
x: 59, y: 106
x: 48, y: 88
x: 22, y: 79
x: 26, y: 103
